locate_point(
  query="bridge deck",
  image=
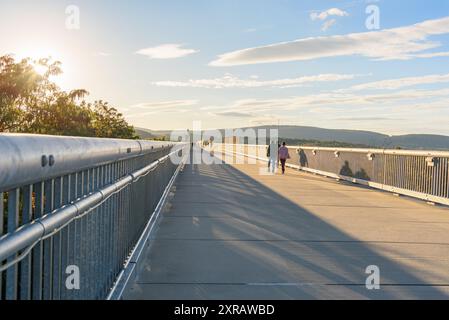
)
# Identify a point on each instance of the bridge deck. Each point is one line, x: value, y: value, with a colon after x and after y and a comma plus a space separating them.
x: 230, y: 232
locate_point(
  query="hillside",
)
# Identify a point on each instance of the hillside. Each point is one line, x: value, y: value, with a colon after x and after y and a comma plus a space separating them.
x: 152, y: 134
x: 339, y: 137
x: 360, y: 137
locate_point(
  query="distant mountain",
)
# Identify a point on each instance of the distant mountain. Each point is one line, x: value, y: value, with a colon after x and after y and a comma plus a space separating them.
x: 422, y: 141
x: 320, y: 134
x: 151, y: 134
x: 354, y: 137
x: 144, y: 133
x: 360, y: 137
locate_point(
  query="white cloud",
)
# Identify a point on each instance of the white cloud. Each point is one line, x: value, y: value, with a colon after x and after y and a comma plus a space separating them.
x: 269, y: 119
x: 325, y: 14
x: 367, y: 119
x: 166, y: 51
x: 430, y: 55
x: 230, y: 81
x: 249, y: 30
x: 165, y: 104
x: 337, y: 99
x: 392, y: 84
x: 155, y: 107
x: 102, y: 54
x: 397, y: 43
x: 328, y: 24
x: 233, y: 114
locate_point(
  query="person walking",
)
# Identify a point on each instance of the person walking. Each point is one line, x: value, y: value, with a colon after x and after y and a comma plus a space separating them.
x: 283, y: 156
x: 268, y: 156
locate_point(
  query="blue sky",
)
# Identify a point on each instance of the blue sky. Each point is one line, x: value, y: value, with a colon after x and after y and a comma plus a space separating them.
x: 233, y: 63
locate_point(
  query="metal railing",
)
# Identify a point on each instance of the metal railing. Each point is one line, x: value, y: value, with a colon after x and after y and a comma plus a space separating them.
x: 75, y: 207
x: 419, y: 174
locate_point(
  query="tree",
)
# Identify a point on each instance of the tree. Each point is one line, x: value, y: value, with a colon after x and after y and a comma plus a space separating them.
x: 108, y: 122
x: 18, y: 82
x: 60, y: 114
x: 31, y: 103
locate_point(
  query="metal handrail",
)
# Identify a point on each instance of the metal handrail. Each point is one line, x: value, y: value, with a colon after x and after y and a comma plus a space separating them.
x: 27, y: 158
x: 434, y: 153
x: 30, y: 234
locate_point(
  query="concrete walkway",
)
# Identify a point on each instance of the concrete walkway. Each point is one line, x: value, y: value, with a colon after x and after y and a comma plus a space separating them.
x: 230, y: 232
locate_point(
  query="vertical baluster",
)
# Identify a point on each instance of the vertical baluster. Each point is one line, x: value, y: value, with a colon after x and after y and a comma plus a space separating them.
x: 409, y: 173
x: 80, y: 239
x: 65, y: 236
x: 87, y: 241
x: 123, y: 210
x: 421, y: 176
x: 13, y: 223
x: 123, y: 216
x: 99, y: 239
x: 441, y: 174
x: 96, y: 237
x: 446, y: 178
x: 57, y: 242
x: 415, y: 172
x: 113, y: 235
x: 48, y: 244
x: 103, y: 236
x: 91, y: 236
x: 73, y: 233
x: 435, y: 183
x: 109, y: 243
x: 25, y: 265
x: 82, y: 235
x: 119, y: 222
x: 38, y: 189
x: 100, y: 229
x: 115, y: 232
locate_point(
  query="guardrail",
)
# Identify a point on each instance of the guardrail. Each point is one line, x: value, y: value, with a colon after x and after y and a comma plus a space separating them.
x: 419, y: 174
x: 73, y: 209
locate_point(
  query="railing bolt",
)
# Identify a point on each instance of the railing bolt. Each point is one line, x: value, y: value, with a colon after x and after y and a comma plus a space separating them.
x: 51, y: 160
x: 44, y: 160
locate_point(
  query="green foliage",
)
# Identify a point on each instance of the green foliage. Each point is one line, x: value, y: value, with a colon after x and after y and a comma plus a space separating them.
x: 108, y: 122
x: 31, y: 103
x: 160, y: 138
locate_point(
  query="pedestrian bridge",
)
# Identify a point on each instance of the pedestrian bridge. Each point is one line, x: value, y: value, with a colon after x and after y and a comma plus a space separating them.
x: 130, y: 223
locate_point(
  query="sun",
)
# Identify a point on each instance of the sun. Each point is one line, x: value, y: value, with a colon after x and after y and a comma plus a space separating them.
x: 35, y: 53
x: 40, y: 69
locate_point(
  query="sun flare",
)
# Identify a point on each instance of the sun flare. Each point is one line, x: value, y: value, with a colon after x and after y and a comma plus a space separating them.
x: 36, y: 53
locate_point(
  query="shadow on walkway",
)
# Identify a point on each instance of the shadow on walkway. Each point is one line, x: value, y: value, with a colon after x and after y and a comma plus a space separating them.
x: 228, y: 236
